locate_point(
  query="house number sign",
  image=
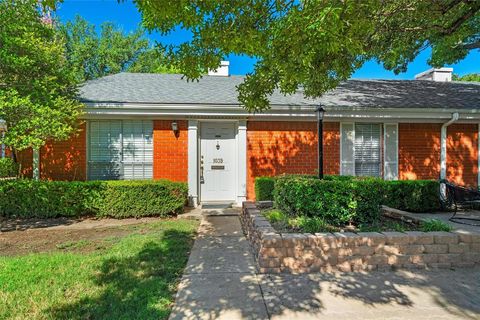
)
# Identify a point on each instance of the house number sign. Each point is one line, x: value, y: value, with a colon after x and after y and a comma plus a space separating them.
x: 217, y: 160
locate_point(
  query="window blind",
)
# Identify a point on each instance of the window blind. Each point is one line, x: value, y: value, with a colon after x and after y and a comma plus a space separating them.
x: 367, y: 149
x: 120, y: 150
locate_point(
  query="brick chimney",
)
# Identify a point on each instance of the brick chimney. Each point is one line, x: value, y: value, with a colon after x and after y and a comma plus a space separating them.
x: 440, y: 74
x: 222, y: 70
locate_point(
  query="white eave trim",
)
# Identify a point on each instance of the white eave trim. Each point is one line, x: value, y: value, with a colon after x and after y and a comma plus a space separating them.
x: 277, y: 112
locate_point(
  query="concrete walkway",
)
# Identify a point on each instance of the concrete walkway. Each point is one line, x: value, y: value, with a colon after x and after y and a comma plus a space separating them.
x: 220, y: 282
x: 466, y: 227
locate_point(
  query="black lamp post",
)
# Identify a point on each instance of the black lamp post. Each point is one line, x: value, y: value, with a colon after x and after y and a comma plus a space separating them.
x: 320, y: 113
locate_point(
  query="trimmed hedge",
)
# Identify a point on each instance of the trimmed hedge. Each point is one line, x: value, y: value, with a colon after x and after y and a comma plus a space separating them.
x: 124, y: 199
x: 335, y: 201
x: 8, y: 168
x: 118, y: 199
x: 413, y: 195
x: 264, y: 188
x: 340, y: 201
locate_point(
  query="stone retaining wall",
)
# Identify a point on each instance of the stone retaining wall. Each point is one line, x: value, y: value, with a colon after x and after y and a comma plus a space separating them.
x: 345, y: 252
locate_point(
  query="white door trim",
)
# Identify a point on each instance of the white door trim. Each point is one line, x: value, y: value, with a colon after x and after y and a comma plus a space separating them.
x: 193, y: 149
x: 241, y: 162
x: 194, y: 193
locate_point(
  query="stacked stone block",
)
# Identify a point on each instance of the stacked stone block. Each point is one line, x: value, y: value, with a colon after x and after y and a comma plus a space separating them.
x: 347, y: 252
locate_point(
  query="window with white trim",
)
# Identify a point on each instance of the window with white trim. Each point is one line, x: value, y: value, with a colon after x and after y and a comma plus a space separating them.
x: 120, y: 149
x: 369, y: 149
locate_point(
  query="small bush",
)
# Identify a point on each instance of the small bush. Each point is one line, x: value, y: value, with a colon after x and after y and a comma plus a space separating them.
x: 119, y: 199
x: 123, y: 199
x: 41, y: 199
x: 275, y: 215
x: 333, y: 201
x: 413, y: 195
x: 264, y: 188
x: 313, y: 225
x: 8, y: 168
x: 340, y: 200
x: 435, y: 225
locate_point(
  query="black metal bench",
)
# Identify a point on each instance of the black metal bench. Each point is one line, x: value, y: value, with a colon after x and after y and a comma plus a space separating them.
x: 455, y: 196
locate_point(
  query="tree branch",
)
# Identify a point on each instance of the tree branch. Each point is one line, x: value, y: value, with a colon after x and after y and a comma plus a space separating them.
x: 470, y: 46
x: 459, y: 22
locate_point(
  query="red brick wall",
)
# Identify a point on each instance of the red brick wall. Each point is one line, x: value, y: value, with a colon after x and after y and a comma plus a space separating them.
x: 462, y: 154
x: 25, y: 159
x: 276, y: 147
x: 170, y: 151
x: 419, y: 151
x: 65, y: 160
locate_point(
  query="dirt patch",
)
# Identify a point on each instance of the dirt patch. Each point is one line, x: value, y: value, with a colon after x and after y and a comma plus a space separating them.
x: 69, y: 223
x: 77, y: 236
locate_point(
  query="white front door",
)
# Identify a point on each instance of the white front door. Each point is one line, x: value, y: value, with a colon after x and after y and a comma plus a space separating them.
x: 217, y: 161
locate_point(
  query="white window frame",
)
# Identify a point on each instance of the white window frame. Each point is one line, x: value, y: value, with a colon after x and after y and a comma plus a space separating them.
x: 385, y: 148
x: 342, y: 124
x: 382, y: 148
x: 380, y: 160
x: 122, y: 174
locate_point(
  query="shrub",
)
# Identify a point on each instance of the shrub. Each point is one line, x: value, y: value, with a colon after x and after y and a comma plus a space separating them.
x: 352, y: 199
x: 275, y: 215
x: 42, y: 199
x: 123, y: 199
x: 338, y: 178
x: 413, y: 195
x: 435, y: 225
x: 119, y: 199
x: 332, y: 201
x: 264, y: 188
x: 8, y: 168
x: 313, y: 225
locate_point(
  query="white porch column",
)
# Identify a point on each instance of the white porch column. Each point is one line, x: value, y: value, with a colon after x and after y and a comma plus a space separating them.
x: 242, y: 162
x: 36, y: 164
x: 193, y: 163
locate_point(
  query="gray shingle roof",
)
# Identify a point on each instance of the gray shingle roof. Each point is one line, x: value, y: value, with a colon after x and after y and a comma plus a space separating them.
x: 172, y: 89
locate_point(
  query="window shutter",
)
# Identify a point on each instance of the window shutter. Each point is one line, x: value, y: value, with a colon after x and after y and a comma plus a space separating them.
x: 390, y: 151
x: 367, y: 149
x: 347, y: 149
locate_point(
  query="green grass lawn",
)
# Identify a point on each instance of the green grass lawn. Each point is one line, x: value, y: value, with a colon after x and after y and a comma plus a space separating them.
x: 129, y: 277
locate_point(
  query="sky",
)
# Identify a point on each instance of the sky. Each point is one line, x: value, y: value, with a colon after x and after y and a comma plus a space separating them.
x: 128, y: 18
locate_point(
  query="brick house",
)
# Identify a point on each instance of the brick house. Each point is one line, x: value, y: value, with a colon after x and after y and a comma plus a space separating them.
x: 143, y: 126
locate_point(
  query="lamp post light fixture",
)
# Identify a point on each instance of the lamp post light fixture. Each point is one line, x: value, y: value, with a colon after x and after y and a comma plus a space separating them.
x: 175, y: 127
x: 320, y: 114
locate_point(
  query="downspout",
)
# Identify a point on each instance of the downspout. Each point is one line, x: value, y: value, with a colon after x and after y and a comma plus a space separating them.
x: 443, y: 146
x: 36, y: 164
